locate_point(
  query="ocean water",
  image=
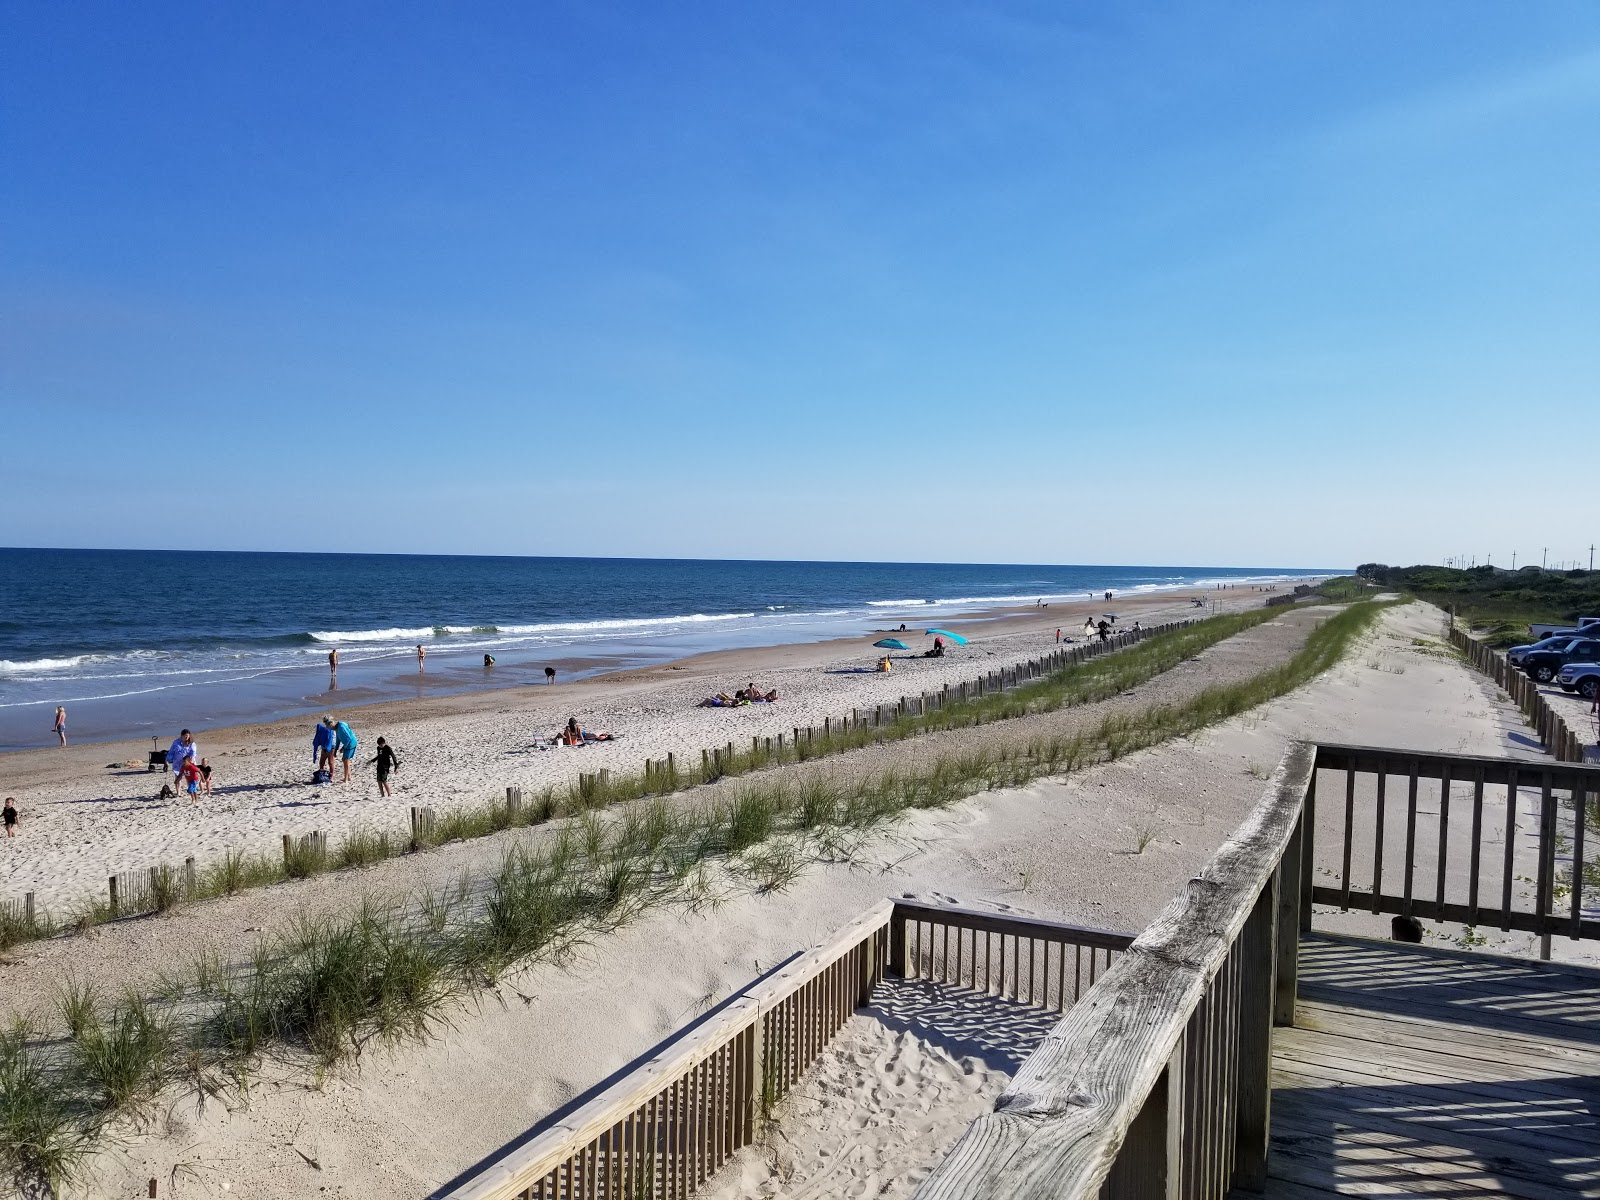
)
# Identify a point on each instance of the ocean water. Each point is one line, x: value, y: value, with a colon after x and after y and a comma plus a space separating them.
x: 138, y: 642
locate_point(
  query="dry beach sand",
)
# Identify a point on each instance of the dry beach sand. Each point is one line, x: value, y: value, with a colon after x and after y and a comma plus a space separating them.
x: 408, y: 1120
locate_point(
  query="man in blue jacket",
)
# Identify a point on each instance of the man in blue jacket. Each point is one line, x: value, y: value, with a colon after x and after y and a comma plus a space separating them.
x: 322, y: 744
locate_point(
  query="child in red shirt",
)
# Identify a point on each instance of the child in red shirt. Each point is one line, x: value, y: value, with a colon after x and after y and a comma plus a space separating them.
x: 191, y: 774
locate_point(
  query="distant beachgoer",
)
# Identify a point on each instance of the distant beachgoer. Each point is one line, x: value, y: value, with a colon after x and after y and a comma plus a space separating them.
x: 61, y: 723
x: 1104, y: 629
x: 333, y: 660
x: 1088, y: 627
x: 1136, y: 627
x: 386, y: 762
x: 1058, y: 635
x: 549, y: 674
x: 11, y: 818
x: 885, y: 666
x: 323, y: 742
x: 205, y: 777
x: 488, y: 660
x: 345, y: 739
x: 572, y: 735
x: 1108, y: 595
x: 421, y: 654
x: 902, y: 628
x: 182, y: 748
x: 191, y: 780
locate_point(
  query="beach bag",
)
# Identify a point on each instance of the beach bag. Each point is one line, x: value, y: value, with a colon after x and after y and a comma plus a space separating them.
x: 321, y: 777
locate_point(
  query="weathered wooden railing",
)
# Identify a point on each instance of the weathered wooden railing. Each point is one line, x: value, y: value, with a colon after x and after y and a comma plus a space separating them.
x: 1045, y: 964
x: 1561, y: 741
x: 1454, y: 837
x: 1156, y: 1084
x: 665, y: 1127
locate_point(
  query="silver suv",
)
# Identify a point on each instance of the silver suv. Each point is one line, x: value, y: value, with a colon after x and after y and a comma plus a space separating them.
x: 1580, y: 677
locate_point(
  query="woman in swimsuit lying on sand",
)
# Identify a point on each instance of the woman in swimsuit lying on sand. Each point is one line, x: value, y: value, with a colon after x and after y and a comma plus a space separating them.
x: 745, y: 695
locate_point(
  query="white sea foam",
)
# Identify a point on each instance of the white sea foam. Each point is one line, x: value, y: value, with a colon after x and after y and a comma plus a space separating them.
x: 41, y: 666
x: 373, y: 635
x: 895, y: 603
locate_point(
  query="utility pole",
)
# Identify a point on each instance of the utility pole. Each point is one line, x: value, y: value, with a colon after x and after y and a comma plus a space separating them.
x: 1513, y: 560
x: 1591, y: 556
x: 1542, y: 553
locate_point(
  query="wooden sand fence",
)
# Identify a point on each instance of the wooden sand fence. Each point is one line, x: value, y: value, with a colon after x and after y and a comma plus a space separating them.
x: 1561, y: 741
x: 665, y: 1127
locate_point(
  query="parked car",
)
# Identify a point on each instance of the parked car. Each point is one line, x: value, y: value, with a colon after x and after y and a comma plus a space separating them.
x: 1580, y: 677
x: 1554, y: 642
x: 1587, y: 626
x: 1543, y: 665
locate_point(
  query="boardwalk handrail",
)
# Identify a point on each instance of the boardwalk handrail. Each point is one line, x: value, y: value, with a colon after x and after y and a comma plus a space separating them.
x: 1156, y: 1082
x: 669, y: 1123
x: 1388, y: 828
x: 665, y: 1126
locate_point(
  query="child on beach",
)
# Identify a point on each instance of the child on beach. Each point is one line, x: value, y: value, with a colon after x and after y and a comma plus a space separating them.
x: 11, y: 819
x: 60, y: 726
x: 191, y: 779
x: 205, y: 776
x: 385, y: 762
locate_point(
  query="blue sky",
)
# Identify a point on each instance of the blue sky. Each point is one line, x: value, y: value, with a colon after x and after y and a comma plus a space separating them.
x: 1068, y: 282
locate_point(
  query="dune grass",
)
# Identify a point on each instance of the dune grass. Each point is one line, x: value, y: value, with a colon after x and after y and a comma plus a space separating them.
x: 389, y: 973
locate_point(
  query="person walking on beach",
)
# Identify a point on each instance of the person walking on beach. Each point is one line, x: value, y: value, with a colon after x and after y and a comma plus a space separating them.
x: 385, y: 762
x: 61, y: 723
x: 191, y: 780
x: 333, y: 660
x: 181, y: 750
x: 323, y: 742
x: 345, y: 739
x: 421, y: 654
x: 11, y: 818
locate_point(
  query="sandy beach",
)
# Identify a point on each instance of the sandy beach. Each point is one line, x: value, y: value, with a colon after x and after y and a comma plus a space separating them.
x: 84, y: 820
x: 407, y: 1120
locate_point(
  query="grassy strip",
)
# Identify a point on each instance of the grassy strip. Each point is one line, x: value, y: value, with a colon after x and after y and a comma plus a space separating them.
x: 388, y: 973
x: 1086, y: 682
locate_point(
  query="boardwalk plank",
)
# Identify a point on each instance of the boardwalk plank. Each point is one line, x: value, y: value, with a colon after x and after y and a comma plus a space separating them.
x: 1416, y: 1072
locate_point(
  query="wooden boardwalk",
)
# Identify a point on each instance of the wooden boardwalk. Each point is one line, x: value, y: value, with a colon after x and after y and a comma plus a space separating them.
x: 1420, y: 1072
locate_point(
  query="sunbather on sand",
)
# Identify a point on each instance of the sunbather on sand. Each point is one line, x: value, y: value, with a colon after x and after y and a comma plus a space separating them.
x: 574, y: 734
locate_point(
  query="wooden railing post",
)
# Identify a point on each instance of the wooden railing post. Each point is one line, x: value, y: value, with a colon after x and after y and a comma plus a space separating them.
x: 1308, y: 839
x: 1286, y: 958
x: 755, y: 1065
x: 898, y: 964
x: 1149, y: 1165
x: 1258, y: 944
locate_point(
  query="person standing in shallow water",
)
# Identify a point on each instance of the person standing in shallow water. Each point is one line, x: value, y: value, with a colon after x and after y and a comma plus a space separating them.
x: 61, y: 723
x: 421, y: 654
